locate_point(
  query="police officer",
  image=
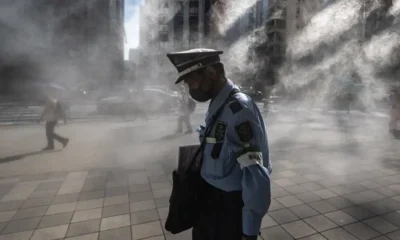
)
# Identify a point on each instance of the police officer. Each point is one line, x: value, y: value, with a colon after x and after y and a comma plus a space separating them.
x: 394, y: 112
x: 236, y: 187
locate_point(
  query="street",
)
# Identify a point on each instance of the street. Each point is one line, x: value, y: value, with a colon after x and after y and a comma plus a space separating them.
x: 334, y: 175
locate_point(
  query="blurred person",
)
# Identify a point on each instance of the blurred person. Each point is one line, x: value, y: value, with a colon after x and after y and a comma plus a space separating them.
x: 52, y: 113
x: 266, y: 98
x: 186, y: 107
x: 234, y: 190
x: 394, y: 112
x: 349, y: 100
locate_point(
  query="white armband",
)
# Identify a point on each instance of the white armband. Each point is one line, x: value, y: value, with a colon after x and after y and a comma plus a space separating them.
x: 250, y: 158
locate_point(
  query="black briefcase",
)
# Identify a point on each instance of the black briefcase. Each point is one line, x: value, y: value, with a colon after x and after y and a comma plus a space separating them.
x: 183, y: 208
x: 183, y: 201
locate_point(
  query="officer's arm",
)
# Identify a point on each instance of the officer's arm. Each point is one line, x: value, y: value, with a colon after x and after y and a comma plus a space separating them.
x: 245, y: 139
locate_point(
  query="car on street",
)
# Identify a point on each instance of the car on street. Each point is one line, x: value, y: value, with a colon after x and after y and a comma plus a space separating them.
x: 150, y: 100
x: 253, y: 93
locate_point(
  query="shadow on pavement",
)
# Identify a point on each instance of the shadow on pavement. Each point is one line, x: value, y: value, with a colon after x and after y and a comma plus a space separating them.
x: 21, y: 156
x: 391, y: 163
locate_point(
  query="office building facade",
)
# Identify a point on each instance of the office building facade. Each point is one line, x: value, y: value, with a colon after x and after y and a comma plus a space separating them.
x: 284, y: 18
x: 69, y: 42
x: 170, y: 25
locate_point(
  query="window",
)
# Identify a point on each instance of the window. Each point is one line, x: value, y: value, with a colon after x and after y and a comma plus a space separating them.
x: 164, y: 4
x: 163, y: 36
x: 252, y: 19
x: 277, y: 12
x: 163, y: 19
x: 193, y: 8
x: 164, y: 28
x: 164, y: 45
x: 275, y: 37
x: 194, y: 36
x: 178, y: 27
x: 179, y: 8
x: 193, y: 11
x: 281, y: 24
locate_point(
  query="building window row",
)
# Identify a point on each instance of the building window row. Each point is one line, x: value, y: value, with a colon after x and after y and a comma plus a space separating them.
x: 193, y: 8
x: 276, y: 37
x: 163, y: 36
x: 163, y: 4
x: 179, y: 8
x: 162, y: 19
x: 276, y: 24
x: 277, y: 12
x: 164, y: 28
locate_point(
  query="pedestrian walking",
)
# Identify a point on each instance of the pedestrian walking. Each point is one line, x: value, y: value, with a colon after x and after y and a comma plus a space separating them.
x: 394, y: 112
x: 233, y: 192
x: 186, y: 107
x: 52, y: 113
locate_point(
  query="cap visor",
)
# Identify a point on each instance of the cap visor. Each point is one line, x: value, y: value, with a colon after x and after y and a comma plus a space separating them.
x: 180, y: 79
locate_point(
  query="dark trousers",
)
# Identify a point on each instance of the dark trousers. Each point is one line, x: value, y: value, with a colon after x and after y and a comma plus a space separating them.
x: 220, y: 215
x: 51, y: 135
x: 184, y: 119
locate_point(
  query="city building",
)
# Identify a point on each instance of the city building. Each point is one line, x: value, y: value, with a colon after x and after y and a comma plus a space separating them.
x: 244, y: 25
x: 172, y: 24
x: 24, y: 41
x: 169, y: 25
x: 69, y: 42
x: 91, y: 34
x: 376, y: 17
x: 175, y: 25
x: 284, y: 18
x: 136, y: 57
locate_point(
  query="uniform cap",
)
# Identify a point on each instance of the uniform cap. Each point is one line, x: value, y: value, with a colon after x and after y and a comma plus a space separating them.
x: 193, y: 60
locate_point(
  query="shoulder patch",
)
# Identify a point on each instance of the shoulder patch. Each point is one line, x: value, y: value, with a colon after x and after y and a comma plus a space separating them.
x: 245, y: 131
x: 220, y: 129
x: 235, y: 106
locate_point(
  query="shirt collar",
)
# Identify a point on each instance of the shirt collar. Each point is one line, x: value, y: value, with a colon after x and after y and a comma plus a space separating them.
x: 218, y: 100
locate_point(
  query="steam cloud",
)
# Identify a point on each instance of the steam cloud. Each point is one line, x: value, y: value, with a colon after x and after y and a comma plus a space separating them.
x: 324, y: 58
x: 330, y: 49
x: 325, y: 50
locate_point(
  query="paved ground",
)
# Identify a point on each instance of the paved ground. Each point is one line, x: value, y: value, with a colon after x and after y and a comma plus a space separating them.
x: 334, y: 177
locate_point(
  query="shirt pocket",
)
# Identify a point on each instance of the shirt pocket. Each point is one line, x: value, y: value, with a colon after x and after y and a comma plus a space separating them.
x: 217, y: 167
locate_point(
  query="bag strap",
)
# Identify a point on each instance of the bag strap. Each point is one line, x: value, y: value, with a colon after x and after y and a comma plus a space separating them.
x: 210, y: 127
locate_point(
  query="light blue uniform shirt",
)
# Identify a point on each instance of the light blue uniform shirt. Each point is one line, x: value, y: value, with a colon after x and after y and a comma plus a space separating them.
x: 236, y: 156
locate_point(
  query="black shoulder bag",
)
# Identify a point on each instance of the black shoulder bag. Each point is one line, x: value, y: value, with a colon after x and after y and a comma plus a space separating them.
x: 183, y: 208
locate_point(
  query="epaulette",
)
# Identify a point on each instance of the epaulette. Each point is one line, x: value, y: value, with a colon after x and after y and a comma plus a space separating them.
x: 235, y: 105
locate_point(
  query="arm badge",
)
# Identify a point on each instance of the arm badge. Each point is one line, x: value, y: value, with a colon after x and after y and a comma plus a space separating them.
x: 245, y: 131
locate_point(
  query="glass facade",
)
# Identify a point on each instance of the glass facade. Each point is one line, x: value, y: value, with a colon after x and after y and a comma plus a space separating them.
x: 178, y: 21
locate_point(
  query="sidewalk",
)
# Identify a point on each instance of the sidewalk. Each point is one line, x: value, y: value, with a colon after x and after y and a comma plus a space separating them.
x: 326, y: 184
x: 310, y: 198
